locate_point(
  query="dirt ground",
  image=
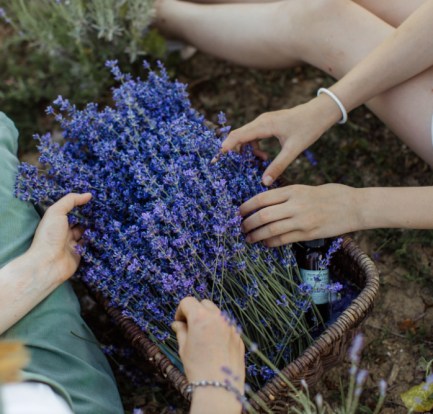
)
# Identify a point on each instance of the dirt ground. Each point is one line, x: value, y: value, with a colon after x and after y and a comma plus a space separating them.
x: 399, y: 333
x: 398, y: 336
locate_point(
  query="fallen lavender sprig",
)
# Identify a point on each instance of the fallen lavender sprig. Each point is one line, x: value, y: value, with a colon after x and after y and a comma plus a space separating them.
x: 4, y: 16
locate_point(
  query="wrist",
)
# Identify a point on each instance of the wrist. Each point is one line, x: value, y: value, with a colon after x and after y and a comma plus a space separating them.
x: 337, y: 102
x: 209, y: 400
x: 401, y: 207
x: 366, y: 208
x: 328, y: 112
x: 42, y: 265
x: 24, y: 282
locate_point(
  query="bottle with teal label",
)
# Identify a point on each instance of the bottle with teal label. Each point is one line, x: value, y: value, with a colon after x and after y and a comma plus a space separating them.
x: 310, y: 258
x: 318, y: 280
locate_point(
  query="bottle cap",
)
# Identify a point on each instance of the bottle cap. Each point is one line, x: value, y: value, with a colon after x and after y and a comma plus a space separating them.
x: 314, y: 243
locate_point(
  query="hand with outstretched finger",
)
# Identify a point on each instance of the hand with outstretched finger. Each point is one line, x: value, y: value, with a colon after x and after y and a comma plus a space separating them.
x: 296, y: 129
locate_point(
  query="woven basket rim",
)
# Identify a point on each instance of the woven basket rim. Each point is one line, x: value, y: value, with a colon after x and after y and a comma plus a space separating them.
x: 349, y: 319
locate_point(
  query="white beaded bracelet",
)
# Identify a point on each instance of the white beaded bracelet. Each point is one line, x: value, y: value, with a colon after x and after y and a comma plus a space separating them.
x: 225, y: 385
x: 337, y: 101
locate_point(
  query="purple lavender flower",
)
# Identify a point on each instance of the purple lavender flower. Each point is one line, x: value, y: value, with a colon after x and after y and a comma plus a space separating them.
x: 282, y: 301
x: 335, y: 246
x: 266, y: 373
x: 428, y: 382
x: 382, y: 388
x: 309, y: 155
x: 356, y: 348
x: 222, y: 120
x: 361, y: 377
x: 334, y: 287
x: 305, y: 289
x: 4, y: 16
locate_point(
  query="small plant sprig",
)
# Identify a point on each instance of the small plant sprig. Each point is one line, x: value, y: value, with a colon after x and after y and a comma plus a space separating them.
x: 4, y: 17
x: 67, y: 29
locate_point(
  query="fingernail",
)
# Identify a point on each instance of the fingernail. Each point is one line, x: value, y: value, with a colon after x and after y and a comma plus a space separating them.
x: 267, y: 180
x: 216, y: 158
x: 248, y: 239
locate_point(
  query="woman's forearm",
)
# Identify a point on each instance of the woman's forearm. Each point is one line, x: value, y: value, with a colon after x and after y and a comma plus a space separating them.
x: 214, y: 401
x: 406, y: 53
x: 405, y: 207
x: 24, y: 282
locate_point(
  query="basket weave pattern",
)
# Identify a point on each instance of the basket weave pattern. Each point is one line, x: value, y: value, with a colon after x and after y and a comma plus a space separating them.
x: 326, y: 351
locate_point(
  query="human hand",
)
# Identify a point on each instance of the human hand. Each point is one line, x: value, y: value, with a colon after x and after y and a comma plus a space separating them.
x: 296, y: 129
x: 299, y: 212
x: 208, y: 344
x: 55, y: 241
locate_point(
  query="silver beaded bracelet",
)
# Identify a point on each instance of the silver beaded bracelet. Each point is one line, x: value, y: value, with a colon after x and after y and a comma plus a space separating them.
x: 218, y: 384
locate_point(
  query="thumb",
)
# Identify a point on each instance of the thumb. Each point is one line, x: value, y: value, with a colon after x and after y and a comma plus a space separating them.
x: 181, y: 331
x: 69, y: 201
x: 277, y: 166
x: 257, y: 129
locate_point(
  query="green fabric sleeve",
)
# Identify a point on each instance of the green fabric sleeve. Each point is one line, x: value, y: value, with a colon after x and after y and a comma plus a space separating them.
x: 64, y: 352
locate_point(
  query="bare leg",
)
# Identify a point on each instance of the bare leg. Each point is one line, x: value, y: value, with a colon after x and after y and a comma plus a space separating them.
x: 332, y: 35
x: 393, y: 12
x: 246, y: 34
x: 232, y: 1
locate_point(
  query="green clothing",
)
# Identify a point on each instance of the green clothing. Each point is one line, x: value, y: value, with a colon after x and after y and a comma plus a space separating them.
x: 64, y: 352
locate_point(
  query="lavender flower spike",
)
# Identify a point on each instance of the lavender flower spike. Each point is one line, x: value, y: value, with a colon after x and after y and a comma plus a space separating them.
x: 356, y: 348
x: 382, y: 387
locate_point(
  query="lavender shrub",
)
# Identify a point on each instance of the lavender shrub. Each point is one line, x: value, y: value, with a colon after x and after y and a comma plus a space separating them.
x: 163, y: 222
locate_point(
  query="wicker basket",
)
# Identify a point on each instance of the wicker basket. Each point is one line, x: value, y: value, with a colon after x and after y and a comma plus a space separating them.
x: 326, y: 351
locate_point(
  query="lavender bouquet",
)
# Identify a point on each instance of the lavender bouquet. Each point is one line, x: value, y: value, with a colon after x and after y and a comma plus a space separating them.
x: 163, y: 222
